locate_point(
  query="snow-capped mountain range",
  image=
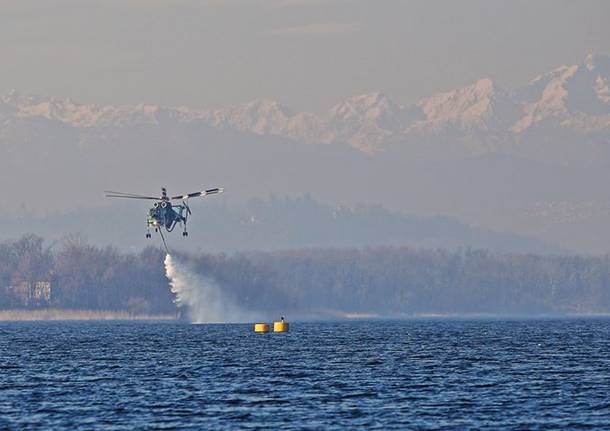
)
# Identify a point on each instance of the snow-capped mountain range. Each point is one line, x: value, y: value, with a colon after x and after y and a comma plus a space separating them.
x: 568, y: 101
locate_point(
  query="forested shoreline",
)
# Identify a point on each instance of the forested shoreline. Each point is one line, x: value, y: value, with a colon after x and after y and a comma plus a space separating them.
x: 386, y: 281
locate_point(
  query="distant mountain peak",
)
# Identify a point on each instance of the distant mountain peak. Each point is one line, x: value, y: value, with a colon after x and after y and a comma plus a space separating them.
x: 594, y: 61
x: 365, y: 121
x: 262, y: 117
x: 481, y: 105
x: 368, y: 106
x: 367, y: 100
x: 572, y: 96
x: 482, y: 88
x: 268, y: 106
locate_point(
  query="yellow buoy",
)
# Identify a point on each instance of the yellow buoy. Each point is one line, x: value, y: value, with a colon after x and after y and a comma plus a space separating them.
x: 280, y: 326
x: 261, y: 327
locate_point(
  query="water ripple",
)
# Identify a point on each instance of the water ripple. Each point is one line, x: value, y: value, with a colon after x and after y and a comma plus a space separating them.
x: 549, y: 374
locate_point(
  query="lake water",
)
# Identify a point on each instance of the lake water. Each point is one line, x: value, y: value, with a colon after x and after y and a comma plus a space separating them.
x: 418, y: 374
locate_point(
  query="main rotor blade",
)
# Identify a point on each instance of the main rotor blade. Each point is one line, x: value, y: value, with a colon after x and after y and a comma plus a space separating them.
x: 120, y: 193
x: 197, y: 194
x: 132, y: 197
x: 111, y: 194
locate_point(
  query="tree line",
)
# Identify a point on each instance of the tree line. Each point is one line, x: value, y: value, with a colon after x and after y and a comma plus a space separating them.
x: 381, y: 280
x: 82, y: 276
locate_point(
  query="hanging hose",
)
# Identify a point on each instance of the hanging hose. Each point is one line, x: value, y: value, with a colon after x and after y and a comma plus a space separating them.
x: 163, y: 238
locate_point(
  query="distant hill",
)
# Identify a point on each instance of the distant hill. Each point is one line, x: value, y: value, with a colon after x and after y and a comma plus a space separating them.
x: 271, y: 224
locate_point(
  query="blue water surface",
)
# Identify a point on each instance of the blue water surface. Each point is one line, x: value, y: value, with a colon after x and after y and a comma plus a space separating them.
x: 414, y: 374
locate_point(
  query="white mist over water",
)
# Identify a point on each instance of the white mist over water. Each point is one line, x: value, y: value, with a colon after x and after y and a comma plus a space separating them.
x: 201, y: 296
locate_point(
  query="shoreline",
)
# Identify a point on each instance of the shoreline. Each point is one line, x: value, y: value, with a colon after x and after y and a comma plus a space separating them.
x: 68, y: 314
x: 57, y: 314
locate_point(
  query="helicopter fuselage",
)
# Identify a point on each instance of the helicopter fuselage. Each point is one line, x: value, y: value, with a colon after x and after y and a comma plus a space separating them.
x: 165, y: 215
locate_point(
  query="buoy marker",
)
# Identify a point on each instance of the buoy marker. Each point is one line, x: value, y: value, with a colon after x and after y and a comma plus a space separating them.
x: 280, y: 325
x: 261, y: 327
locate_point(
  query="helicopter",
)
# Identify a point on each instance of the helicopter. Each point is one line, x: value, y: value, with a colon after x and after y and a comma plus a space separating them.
x: 164, y: 214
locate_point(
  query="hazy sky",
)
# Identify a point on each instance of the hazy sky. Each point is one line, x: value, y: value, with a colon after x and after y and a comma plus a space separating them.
x: 307, y: 54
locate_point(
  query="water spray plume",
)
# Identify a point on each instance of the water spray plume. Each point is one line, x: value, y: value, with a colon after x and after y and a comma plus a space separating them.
x: 203, y: 298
